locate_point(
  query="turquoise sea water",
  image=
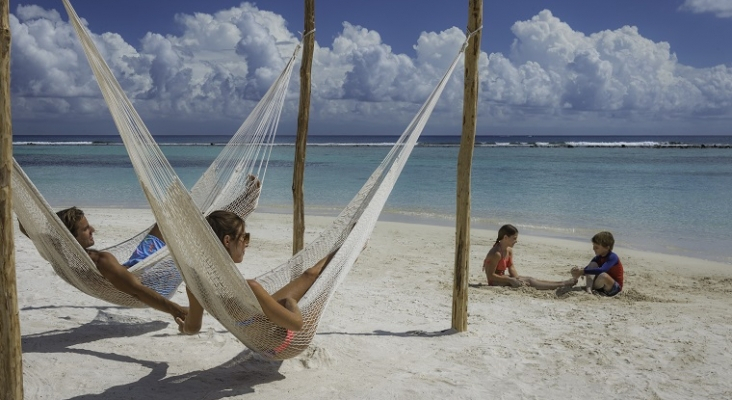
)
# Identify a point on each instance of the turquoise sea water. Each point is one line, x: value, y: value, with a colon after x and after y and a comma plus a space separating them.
x: 666, y: 194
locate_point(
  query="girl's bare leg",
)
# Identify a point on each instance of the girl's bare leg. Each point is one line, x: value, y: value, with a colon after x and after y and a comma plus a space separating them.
x: 547, y: 285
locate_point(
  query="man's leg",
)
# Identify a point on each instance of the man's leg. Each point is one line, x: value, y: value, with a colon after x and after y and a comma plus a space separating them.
x: 155, y: 231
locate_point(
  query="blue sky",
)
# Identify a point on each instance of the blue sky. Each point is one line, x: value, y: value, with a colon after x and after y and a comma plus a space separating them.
x: 548, y: 67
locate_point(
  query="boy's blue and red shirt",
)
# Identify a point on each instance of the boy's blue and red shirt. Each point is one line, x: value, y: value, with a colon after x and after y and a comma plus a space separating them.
x: 609, y: 263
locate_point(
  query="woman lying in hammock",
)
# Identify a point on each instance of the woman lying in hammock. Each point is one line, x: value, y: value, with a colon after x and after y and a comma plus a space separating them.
x: 281, y: 307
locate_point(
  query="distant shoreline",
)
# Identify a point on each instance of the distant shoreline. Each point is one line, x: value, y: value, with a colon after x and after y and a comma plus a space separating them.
x: 722, y: 142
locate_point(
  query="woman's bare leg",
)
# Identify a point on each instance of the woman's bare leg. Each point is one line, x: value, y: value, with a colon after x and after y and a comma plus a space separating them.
x: 300, y: 285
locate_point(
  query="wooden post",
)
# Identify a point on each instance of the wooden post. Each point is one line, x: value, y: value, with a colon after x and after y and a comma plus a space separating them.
x: 465, y: 162
x: 298, y: 178
x: 11, y: 367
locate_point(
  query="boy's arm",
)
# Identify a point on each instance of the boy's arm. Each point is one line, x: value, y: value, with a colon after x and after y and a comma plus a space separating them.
x: 611, y: 261
x: 124, y: 281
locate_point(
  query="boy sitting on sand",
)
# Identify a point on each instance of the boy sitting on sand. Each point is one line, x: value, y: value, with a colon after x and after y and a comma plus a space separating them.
x: 604, y: 273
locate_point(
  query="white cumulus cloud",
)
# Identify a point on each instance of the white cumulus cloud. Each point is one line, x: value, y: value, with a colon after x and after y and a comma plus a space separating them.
x: 553, y: 69
x: 222, y: 63
x: 720, y: 8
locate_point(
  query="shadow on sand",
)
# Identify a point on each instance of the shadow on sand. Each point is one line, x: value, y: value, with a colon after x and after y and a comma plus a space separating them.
x: 416, y: 333
x: 234, y: 377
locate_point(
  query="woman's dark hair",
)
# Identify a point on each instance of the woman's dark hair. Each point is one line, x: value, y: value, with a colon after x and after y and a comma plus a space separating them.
x: 226, y: 223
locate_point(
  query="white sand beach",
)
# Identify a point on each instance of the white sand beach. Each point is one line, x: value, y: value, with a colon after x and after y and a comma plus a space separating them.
x: 385, y: 335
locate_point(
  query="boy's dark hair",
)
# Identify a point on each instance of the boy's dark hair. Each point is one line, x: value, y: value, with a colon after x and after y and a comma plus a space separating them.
x: 604, y: 239
x: 70, y: 217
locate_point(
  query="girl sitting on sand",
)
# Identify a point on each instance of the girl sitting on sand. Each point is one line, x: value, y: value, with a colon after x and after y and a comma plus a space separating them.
x: 500, y: 259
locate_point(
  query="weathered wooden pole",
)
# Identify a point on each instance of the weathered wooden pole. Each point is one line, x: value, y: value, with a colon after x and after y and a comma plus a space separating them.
x: 11, y: 367
x: 465, y: 162
x: 298, y: 178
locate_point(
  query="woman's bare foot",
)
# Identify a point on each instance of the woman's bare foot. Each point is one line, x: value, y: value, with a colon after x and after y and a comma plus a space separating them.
x: 187, y: 328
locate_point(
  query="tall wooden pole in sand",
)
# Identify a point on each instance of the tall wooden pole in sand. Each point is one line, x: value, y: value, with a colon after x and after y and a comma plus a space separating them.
x: 298, y: 196
x: 465, y: 162
x: 11, y: 367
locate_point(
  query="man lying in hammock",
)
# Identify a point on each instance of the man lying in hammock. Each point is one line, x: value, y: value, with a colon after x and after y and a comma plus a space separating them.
x: 281, y: 307
x: 116, y: 273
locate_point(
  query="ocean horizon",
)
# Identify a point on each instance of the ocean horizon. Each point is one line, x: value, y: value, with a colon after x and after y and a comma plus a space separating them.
x: 655, y: 141
x: 656, y: 193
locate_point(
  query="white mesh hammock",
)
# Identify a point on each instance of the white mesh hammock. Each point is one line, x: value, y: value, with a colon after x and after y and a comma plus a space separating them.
x: 213, y: 277
x: 229, y: 183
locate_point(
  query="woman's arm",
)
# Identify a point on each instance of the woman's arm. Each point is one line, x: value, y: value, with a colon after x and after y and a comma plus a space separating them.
x: 284, y: 313
x: 192, y: 324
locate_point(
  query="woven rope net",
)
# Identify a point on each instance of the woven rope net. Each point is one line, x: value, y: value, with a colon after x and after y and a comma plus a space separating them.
x: 214, y: 279
x: 232, y: 182
x: 208, y: 269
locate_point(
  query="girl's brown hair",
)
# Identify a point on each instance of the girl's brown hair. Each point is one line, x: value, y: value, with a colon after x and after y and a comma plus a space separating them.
x: 507, y: 229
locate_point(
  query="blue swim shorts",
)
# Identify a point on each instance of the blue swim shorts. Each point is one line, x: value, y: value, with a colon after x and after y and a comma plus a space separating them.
x: 145, y: 249
x: 612, y: 292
